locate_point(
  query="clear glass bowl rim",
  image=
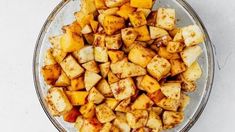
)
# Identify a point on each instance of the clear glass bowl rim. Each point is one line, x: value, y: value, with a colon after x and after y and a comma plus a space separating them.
x: 185, y: 5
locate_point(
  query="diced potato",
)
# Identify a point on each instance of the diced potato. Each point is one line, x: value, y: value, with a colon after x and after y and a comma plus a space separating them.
x: 111, y: 103
x: 104, y: 69
x: 90, y: 79
x: 179, y: 37
x: 104, y: 88
x: 95, y: 96
x: 193, y: 72
x: 156, y: 96
x: 123, y: 106
x: 57, y: 101
x: 156, y: 32
x: 77, y: 97
x: 137, y: 19
x: 100, y: 4
x: 77, y: 84
x: 79, y: 122
x: 145, y: 11
x: 99, y: 40
x: 107, y: 127
x: 187, y: 86
x: 158, y: 67
x: 154, y: 121
x: 91, y: 66
x: 113, y: 42
x: 167, y: 55
x: 86, y: 29
x: 190, y: 54
x: 121, y: 122
x: 143, y: 129
x: 124, y: 10
x: 83, y: 18
x: 157, y: 110
x: 101, y: 54
x: 151, y: 19
x: 63, y: 80
x: 91, y: 125
x: 138, y: 82
x: 140, y: 55
x: 104, y: 13
x: 192, y: 35
x: 129, y: 36
x: 104, y: 114
x: 174, y: 47
x: 94, y: 25
x: 115, y: 56
x: 166, y: 18
x: 142, y: 3
x: 55, y: 41
x: 137, y: 118
x: 163, y: 41
x: 171, y: 119
x: 184, y: 101
x: 49, y: 59
x: 113, y: 24
x: 169, y: 104
x: 174, y: 32
x: 171, y: 90
x: 71, y: 67
x: 70, y: 42
x: 72, y: 115
x: 88, y: 110
x: 115, y: 3
x: 143, y: 33
x: 149, y: 84
x: 177, y: 67
x: 89, y: 38
x: 142, y: 103
x: 73, y: 27
x: 112, y: 78
x: 88, y: 6
x: 123, y: 89
x: 58, y: 54
x: 51, y: 73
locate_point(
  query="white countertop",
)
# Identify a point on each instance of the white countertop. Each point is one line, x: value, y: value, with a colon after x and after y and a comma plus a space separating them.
x: 20, y: 23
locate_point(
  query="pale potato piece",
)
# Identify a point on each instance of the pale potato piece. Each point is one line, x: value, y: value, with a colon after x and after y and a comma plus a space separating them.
x: 115, y: 3
x: 187, y: 86
x: 123, y: 106
x: 171, y: 119
x: 95, y: 96
x: 143, y: 102
x: 171, y: 90
x: 154, y: 121
x: 113, y: 42
x: 137, y: 118
x: 91, y: 125
x: 79, y: 122
x: 55, y: 41
x: 48, y: 58
x: 129, y: 36
x: 190, y: 54
x: 169, y: 104
x: 71, y: 67
x: 166, y: 18
x: 116, y: 55
x: 145, y: 11
x: 112, y: 78
x: 86, y: 30
x: 91, y: 66
x: 88, y: 110
x: 184, y: 101
x: 58, y: 54
x: 104, y: 88
x: 85, y: 54
x: 106, y: 127
x: 111, y: 103
x: 99, y: 40
x: 121, y: 122
x: 193, y: 73
x: 101, y: 54
x: 178, y: 37
x: 174, y: 47
x: 149, y: 84
x: 192, y: 35
x: 137, y: 19
x: 104, y: 13
x: 90, y: 79
x: 138, y: 82
x: 63, y: 80
x: 104, y: 69
x: 156, y: 32
x: 123, y: 89
x: 104, y: 114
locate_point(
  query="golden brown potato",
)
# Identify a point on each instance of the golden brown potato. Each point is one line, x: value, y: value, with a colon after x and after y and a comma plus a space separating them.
x: 91, y: 66
x: 149, y: 84
x: 167, y: 55
x: 124, y: 10
x: 73, y: 27
x: 115, y: 55
x: 121, y: 122
x: 77, y: 84
x: 104, y: 13
x: 137, y: 19
x: 111, y: 103
x: 104, y: 88
x: 142, y: 103
x: 179, y: 37
x: 137, y: 118
x: 174, y: 47
x: 156, y: 96
x: 112, y: 78
x: 143, y: 33
x: 100, y: 4
x: 51, y: 73
x: 156, y: 32
x: 154, y: 121
x: 58, y: 54
x: 166, y: 18
x: 138, y: 82
x: 99, y: 40
x: 79, y: 122
x: 113, y: 42
x: 83, y: 18
x: 88, y: 6
x: 88, y: 110
x: 142, y: 3
x: 192, y: 35
x: 94, y: 25
x: 177, y: 67
x: 104, y: 114
x: 123, y: 106
x: 63, y: 80
x: 113, y: 24
x: 157, y: 110
x: 95, y: 96
x: 72, y: 115
x: 86, y: 29
x: 48, y: 58
x: 115, y: 3
x: 104, y: 69
x: 171, y: 90
x: 101, y: 54
x: 184, y: 101
x: 190, y: 54
x: 187, y: 86
x: 85, y: 54
x: 55, y: 41
x: 70, y: 42
x: 145, y: 11
x: 171, y: 119
x: 106, y: 127
x: 169, y: 104
x: 193, y: 73
x: 129, y: 36
x: 77, y: 97
x: 91, y: 79
x: 151, y: 19
x: 93, y: 125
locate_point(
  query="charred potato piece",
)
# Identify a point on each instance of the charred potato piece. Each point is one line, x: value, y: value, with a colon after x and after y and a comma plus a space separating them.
x: 72, y: 115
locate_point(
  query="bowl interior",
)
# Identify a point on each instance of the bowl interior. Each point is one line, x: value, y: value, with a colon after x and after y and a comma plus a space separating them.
x: 63, y: 15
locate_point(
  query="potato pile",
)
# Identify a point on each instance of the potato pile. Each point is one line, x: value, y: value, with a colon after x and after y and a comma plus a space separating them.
x: 122, y: 67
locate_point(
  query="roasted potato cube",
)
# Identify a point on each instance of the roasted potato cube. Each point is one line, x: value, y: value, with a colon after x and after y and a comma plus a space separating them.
x: 107, y: 127
x: 143, y: 129
x: 83, y: 18
x: 157, y: 110
x: 89, y: 38
x: 193, y: 72
x: 70, y: 42
x: 163, y: 41
x: 169, y: 104
x: 149, y: 84
x: 94, y: 25
x: 129, y: 36
x: 104, y: 88
x: 184, y: 101
x: 156, y: 32
x: 77, y: 97
x: 192, y: 35
x: 57, y: 101
x: 174, y: 47
x: 178, y: 37
x: 63, y: 80
x: 51, y: 73
x: 104, y: 114
x: 124, y: 10
x: 77, y: 84
x: 91, y: 125
x: 171, y: 119
x: 187, y: 86
x: 90, y: 79
x: 143, y: 33
x: 137, y: 118
x: 113, y: 42
x: 138, y: 82
x: 112, y: 78
x: 174, y: 32
x: 142, y: 103
x: 137, y: 19
x: 123, y: 89
x: 156, y: 96
x: 59, y: 55
x: 113, y: 24
x: 121, y: 122
x: 177, y: 67
x: 49, y: 59
x: 101, y: 54
x: 79, y: 122
x: 115, y: 3
x: 100, y: 4
x: 71, y: 67
x: 104, y: 69
x: 73, y: 27
x: 151, y: 19
x: 145, y: 11
x: 55, y: 41
x: 115, y: 56
x: 123, y: 106
x: 104, y: 13
x: 190, y: 54
x: 88, y: 6
x: 167, y: 55
x: 142, y: 3
x: 95, y: 96
x: 140, y: 55
x: 91, y: 66
x: 158, y: 67
x: 171, y: 90
x: 72, y: 115
x: 154, y: 121
x: 166, y: 18
x: 111, y: 103
x: 86, y: 29
x: 87, y: 110
x: 99, y: 40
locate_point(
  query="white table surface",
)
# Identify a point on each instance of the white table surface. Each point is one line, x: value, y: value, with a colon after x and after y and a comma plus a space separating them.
x: 20, y: 23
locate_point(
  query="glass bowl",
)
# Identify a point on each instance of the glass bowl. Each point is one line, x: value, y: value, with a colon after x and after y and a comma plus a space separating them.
x: 63, y: 14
